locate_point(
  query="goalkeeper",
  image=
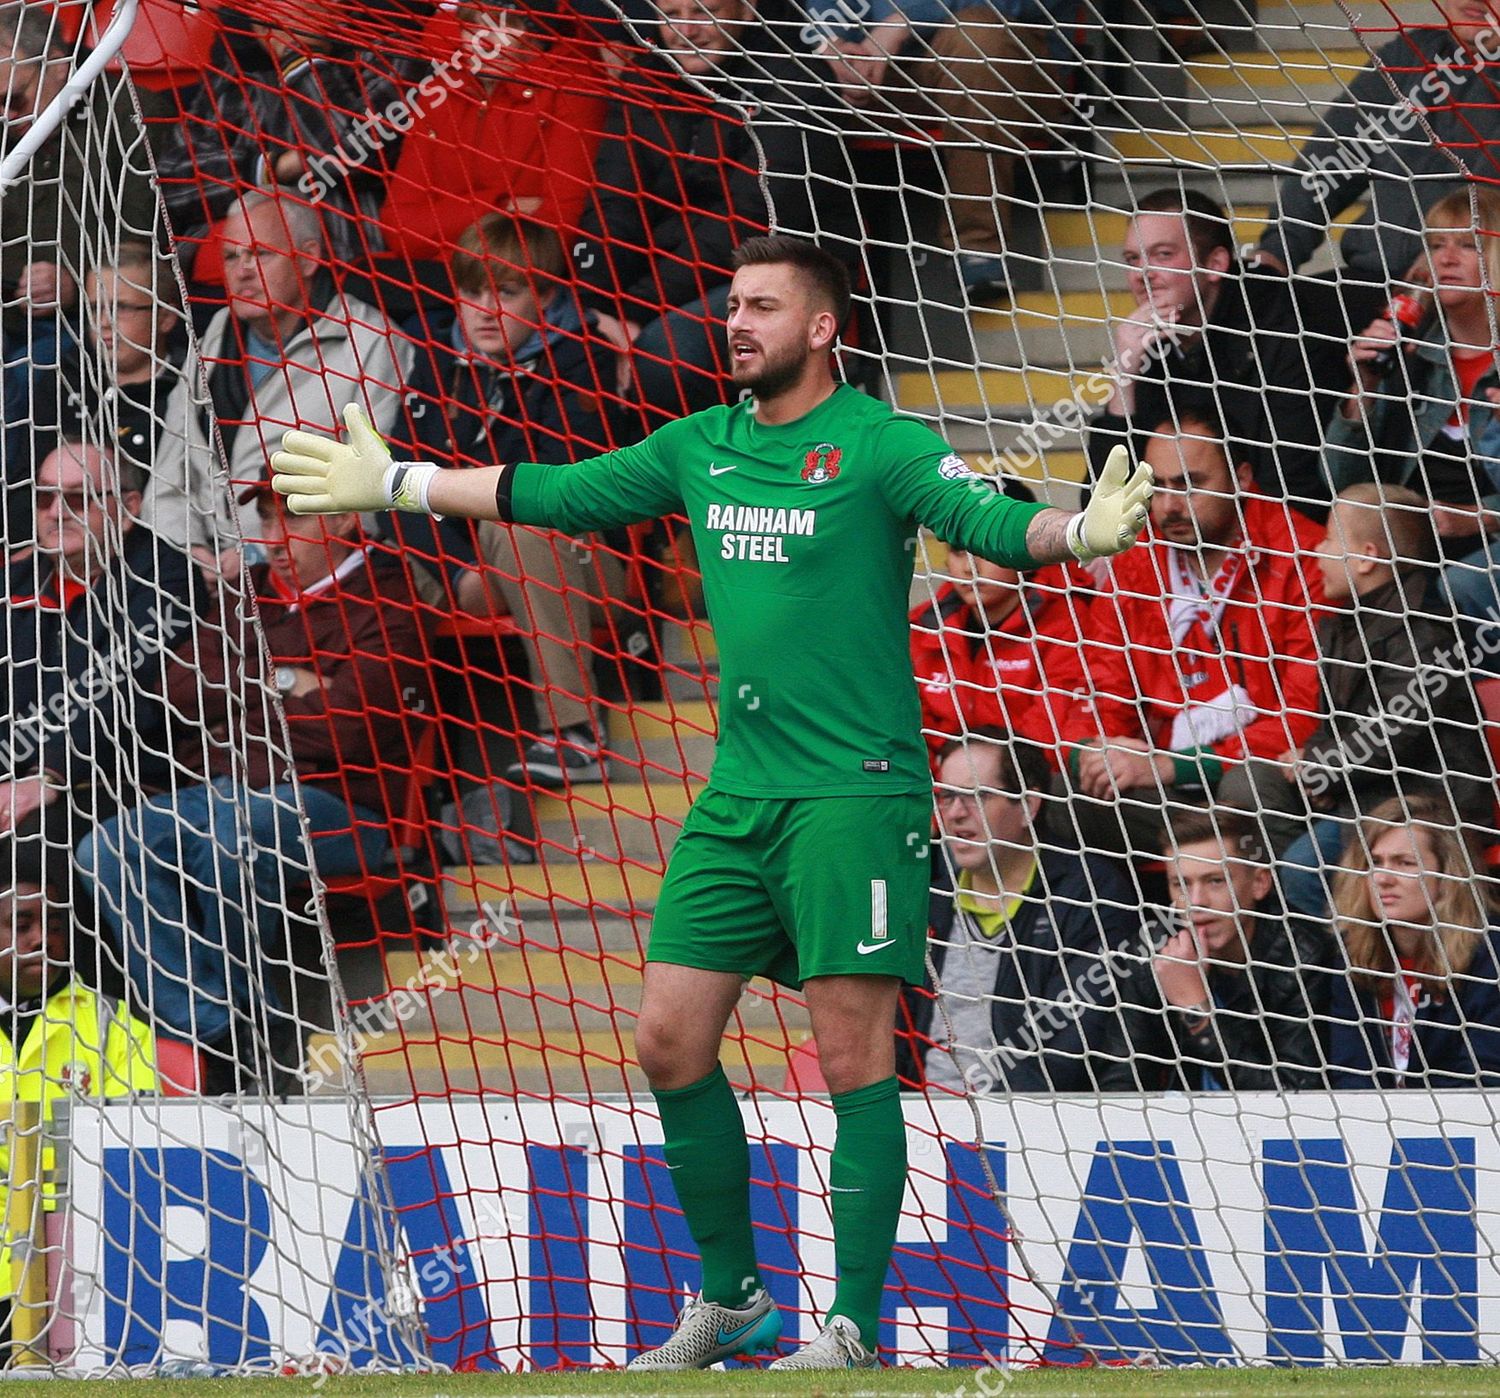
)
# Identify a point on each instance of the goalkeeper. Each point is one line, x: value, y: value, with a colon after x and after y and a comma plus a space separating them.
x: 805, y: 859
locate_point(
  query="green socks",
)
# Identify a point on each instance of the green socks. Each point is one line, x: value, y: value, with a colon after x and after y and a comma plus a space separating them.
x: 868, y: 1178
x: 709, y: 1158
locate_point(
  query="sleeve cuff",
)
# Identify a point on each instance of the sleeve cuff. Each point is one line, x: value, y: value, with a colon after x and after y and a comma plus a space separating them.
x: 504, y: 509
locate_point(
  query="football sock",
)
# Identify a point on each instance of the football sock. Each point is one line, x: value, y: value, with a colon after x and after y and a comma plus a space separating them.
x: 709, y: 1159
x: 867, y: 1177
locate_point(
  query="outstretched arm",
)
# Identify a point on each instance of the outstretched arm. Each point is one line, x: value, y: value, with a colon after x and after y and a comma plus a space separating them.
x: 1115, y: 515
x: 321, y: 475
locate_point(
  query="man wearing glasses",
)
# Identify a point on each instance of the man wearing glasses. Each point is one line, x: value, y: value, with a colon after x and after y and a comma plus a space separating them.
x: 288, y: 346
x: 1021, y: 931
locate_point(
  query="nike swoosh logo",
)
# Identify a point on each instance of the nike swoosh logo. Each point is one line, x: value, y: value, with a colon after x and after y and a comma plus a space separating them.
x: 728, y: 1337
x: 865, y: 948
x: 714, y: 470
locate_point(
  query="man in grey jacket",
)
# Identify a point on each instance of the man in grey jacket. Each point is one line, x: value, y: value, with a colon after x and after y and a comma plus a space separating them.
x: 287, y: 349
x: 1370, y: 145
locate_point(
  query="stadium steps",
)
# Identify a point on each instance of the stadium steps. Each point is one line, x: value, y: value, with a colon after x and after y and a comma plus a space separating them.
x: 461, y: 1041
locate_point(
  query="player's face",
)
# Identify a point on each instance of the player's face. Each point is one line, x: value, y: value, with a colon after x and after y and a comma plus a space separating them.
x: 1404, y: 882
x: 129, y: 328
x: 501, y: 316
x: 32, y: 943
x: 1211, y: 892
x: 72, y: 518
x: 772, y: 326
x: 972, y: 812
x: 1468, y: 19
x: 989, y: 587
x: 700, y: 34
x: 1194, y: 502
x: 1163, y: 268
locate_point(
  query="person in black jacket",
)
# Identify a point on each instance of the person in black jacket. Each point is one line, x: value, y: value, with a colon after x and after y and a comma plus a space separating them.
x: 1267, y: 352
x: 520, y: 373
x: 92, y: 613
x: 1020, y: 944
x: 1420, y: 1006
x: 679, y: 185
x: 1233, y: 997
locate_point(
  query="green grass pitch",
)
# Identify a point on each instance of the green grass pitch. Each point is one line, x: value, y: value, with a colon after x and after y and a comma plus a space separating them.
x: 1402, y: 1382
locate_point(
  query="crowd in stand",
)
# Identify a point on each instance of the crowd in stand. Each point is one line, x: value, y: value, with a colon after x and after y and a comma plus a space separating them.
x: 1214, y: 816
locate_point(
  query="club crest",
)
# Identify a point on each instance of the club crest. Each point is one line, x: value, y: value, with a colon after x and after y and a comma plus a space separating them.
x: 822, y: 463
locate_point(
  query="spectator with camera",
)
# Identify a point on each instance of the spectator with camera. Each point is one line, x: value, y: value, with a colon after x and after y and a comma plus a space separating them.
x: 1233, y: 997
x: 1021, y: 932
x: 1420, y: 1006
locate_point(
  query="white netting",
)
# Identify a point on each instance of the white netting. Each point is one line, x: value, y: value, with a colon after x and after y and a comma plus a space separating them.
x: 358, y: 825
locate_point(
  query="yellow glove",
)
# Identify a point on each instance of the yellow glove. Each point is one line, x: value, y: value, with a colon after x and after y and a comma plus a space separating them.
x: 320, y: 475
x: 1116, y: 511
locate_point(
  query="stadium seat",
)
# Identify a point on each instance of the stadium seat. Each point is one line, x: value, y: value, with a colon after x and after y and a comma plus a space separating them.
x: 409, y: 867
x: 803, y: 1071
x: 179, y: 1066
x: 167, y: 47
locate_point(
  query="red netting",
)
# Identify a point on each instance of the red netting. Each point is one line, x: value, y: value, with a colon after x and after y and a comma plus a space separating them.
x: 506, y: 232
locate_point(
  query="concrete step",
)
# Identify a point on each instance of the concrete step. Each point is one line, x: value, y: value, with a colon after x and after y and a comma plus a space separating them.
x: 1261, y: 146
x: 1005, y: 392
x: 399, y: 1065
x: 669, y: 738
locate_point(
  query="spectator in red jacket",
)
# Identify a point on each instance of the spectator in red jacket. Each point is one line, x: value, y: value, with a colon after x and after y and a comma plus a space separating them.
x: 518, y: 135
x: 995, y: 649
x: 192, y: 884
x: 1200, y: 650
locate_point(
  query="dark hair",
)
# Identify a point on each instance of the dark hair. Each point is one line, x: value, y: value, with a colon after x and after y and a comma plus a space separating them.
x: 506, y: 241
x: 1023, y: 770
x: 1208, y: 227
x: 828, y: 276
x: 1239, y: 834
x: 1196, y: 410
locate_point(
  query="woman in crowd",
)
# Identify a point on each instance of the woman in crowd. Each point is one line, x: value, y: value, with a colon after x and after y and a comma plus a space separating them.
x: 1421, y: 1004
x: 1422, y: 411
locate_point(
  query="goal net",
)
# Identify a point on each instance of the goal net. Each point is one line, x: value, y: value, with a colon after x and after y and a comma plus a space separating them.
x: 330, y: 846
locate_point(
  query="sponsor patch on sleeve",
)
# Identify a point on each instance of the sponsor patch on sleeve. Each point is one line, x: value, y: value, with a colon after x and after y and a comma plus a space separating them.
x: 954, y: 468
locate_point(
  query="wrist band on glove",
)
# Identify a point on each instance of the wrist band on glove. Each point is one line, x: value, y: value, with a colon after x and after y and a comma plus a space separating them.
x: 407, y: 484
x: 1074, y: 538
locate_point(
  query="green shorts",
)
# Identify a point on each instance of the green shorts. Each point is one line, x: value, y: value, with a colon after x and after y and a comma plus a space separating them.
x: 797, y: 887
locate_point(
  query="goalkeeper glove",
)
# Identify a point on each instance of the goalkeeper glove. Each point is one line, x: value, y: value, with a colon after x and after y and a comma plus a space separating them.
x: 1116, y: 512
x: 320, y: 475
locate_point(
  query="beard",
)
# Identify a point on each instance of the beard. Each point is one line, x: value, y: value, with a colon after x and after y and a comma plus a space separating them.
x: 775, y: 376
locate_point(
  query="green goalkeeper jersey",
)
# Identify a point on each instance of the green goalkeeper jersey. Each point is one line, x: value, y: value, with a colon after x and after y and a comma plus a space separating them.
x: 806, y: 535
